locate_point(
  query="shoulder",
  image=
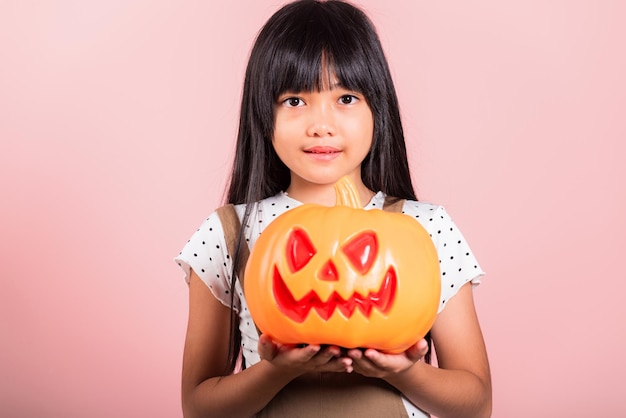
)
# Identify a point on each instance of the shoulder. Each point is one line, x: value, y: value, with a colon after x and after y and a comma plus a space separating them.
x: 421, y: 211
x: 204, y: 246
x: 255, y: 217
x: 273, y: 205
x: 431, y: 216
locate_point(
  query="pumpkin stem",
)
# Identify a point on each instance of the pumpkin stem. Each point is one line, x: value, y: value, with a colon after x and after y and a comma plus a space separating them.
x: 347, y: 194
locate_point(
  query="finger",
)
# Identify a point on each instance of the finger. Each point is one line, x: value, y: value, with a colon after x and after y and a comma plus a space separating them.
x: 355, y: 353
x: 347, y: 364
x: 376, y: 358
x: 267, y: 348
x: 333, y: 350
x: 417, y: 351
x: 364, y: 366
x: 307, y: 352
x: 341, y: 364
x: 327, y: 355
x: 360, y: 361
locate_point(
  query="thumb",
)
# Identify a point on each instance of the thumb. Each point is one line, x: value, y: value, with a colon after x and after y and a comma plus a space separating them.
x: 267, y: 348
x: 417, y: 351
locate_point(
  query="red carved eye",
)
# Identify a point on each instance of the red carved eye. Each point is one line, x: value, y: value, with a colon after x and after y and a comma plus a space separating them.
x: 361, y: 251
x: 300, y: 250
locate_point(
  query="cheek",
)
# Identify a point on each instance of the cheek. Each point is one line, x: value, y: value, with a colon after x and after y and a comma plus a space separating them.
x: 280, y: 141
x: 365, y: 139
x: 286, y: 154
x: 285, y: 130
x: 364, y: 126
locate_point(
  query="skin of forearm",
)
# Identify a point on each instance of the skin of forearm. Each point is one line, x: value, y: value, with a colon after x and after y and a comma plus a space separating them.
x: 444, y: 393
x: 239, y: 395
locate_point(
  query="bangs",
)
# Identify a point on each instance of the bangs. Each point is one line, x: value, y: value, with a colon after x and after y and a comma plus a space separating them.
x: 322, y: 44
x: 316, y: 69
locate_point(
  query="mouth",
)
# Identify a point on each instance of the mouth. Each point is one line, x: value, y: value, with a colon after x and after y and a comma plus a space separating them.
x: 298, y: 310
x: 322, y: 150
x: 322, y: 153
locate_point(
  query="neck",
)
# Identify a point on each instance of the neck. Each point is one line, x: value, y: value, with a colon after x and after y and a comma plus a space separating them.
x: 324, y: 194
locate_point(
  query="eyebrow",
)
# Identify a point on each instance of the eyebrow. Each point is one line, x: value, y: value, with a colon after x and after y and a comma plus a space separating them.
x: 333, y: 86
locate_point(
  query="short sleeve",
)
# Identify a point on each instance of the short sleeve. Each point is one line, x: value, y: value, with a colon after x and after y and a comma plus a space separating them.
x: 457, y: 262
x: 206, y: 253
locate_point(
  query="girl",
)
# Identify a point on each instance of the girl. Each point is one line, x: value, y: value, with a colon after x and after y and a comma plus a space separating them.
x: 318, y: 104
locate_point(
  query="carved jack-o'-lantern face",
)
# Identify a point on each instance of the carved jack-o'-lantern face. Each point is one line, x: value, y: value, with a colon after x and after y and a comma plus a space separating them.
x: 344, y: 276
x: 359, y: 254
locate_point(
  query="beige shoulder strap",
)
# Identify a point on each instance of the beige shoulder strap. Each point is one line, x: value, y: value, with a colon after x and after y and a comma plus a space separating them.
x: 393, y: 204
x: 232, y: 227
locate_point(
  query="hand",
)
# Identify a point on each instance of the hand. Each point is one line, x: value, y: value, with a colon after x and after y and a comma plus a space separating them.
x: 374, y: 363
x: 302, y: 359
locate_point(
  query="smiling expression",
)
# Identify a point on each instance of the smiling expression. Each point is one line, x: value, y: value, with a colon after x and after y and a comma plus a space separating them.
x: 322, y: 135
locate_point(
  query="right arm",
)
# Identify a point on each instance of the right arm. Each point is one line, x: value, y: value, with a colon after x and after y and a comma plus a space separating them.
x: 207, y: 389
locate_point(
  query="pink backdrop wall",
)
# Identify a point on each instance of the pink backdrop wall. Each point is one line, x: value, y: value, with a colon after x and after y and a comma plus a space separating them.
x: 117, y: 121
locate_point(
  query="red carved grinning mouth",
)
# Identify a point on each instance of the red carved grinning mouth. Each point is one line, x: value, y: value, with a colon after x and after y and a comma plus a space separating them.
x: 298, y: 310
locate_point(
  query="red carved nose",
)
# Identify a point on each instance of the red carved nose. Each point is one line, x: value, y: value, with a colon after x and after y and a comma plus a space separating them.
x: 329, y: 272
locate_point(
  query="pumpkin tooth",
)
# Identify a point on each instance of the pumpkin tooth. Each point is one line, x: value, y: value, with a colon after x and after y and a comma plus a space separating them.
x: 298, y: 310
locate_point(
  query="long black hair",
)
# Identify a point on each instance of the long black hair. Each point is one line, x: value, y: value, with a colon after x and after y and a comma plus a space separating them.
x: 290, y: 54
x: 292, y: 51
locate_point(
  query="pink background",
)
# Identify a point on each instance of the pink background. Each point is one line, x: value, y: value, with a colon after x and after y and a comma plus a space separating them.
x: 117, y: 123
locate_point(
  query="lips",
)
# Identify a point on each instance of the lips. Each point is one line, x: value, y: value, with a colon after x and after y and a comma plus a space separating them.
x: 298, y: 310
x: 322, y: 154
x: 322, y: 150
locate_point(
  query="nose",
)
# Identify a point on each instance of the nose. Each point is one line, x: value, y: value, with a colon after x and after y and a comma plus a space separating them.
x: 322, y: 122
x: 329, y: 272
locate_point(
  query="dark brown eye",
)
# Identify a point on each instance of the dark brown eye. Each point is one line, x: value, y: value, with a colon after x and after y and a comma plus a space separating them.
x: 347, y: 99
x: 293, y: 102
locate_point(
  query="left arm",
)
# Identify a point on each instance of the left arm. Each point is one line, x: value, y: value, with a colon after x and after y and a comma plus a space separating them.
x: 461, y: 385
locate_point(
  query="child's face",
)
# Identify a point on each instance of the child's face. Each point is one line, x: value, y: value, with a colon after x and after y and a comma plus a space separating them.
x: 322, y: 136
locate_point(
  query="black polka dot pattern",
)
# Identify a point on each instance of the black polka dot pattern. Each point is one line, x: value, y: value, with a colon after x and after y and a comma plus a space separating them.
x: 458, y: 265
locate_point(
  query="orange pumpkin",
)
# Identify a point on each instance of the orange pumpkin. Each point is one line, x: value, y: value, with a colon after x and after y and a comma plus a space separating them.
x: 344, y: 276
